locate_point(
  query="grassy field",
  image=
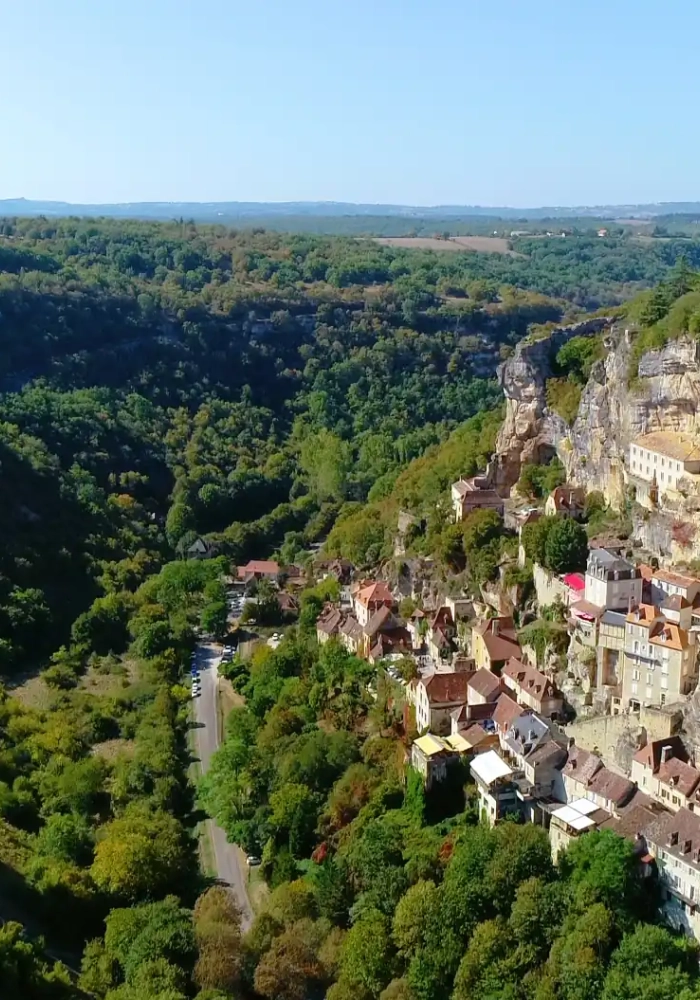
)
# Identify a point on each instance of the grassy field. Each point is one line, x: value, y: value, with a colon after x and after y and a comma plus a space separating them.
x: 482, y: 244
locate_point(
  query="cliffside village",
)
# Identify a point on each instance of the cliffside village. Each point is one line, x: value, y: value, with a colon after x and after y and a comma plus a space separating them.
x: 544, y: 751
x: 480, y: 697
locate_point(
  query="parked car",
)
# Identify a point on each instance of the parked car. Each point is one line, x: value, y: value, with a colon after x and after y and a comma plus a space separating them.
x: 252, y: 861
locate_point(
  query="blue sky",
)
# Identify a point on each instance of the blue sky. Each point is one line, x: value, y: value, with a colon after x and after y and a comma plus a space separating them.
x: 491, y: 102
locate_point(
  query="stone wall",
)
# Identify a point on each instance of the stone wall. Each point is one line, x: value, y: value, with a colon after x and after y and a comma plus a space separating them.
x: 617, y: 737
x: 548, y: 586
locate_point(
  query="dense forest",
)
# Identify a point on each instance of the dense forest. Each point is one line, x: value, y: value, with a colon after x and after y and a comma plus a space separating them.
x: 166, y: 382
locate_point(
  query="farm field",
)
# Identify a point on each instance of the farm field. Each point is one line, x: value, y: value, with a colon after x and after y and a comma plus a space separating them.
x: 482, y: 244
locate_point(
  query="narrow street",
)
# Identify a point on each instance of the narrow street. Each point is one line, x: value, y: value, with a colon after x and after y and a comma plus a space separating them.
x: 229, y: 858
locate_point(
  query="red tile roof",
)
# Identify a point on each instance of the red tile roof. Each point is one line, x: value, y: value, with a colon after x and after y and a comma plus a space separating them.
x: 265, y: 567
x: 650, y: 755
x: 374, y: 592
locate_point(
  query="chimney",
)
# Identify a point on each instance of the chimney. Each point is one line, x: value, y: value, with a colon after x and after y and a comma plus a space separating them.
x: 666, y: 753
x: 494, y: 626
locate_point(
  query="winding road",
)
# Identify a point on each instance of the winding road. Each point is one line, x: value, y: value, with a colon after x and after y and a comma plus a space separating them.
x: 229, y: 859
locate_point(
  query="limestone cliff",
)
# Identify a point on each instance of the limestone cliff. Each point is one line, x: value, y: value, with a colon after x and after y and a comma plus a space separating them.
x: 531, y: 432
x: 594, y: 450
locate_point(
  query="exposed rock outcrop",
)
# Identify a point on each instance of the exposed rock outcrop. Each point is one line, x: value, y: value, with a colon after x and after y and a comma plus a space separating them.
x: 612, y: 412
x: 530, y: 431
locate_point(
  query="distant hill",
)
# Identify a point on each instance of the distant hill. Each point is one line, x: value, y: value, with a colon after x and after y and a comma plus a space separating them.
x: 230, y: 211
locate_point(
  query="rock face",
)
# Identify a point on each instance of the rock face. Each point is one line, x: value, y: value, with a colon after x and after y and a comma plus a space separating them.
x: 531, y: 432
x: 594, y: 450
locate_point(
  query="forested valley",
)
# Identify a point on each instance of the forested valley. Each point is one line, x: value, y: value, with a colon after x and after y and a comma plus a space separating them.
x: 164, y: 383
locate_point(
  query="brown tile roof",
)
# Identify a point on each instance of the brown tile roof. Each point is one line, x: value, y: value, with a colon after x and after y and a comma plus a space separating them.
x: 679, y: 775
x: 446, y: 688
x: 679, y: 579
x: 330, y: 621
x: 504, y: 643
x: 485, y: 683
x: 675, y: 603
x: 677, y: 833
x: 638, y: 799
x: 503, y: 624
x: 506, y: 712
x: 443, y: 617
x: 287, y: 602
x: 582, y: 764
x: 382, y: 618
x: 566, y: 497
x: 611, y: 786
x: 584, y: 607
x: 632, y: 821
x: 351, y: 627
x: 441, y: 640
x: 476, y: 734
x: 673, y: 444
x: 650, y: 755
x: 528, y: 678
x: 550, y: 752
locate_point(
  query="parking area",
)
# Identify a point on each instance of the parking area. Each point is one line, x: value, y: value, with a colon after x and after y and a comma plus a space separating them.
x: 235, y: 600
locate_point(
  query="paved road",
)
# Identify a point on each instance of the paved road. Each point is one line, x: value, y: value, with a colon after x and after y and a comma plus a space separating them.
x: 230, y: 862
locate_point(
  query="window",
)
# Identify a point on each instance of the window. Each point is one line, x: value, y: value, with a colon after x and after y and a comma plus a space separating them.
x: 663, y: 462
x: 649, y: 692
x: 635, y: 675
x: 656, y: 458
x: 678, y: 466
x: 662, y: 477
x: 634, y: 688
